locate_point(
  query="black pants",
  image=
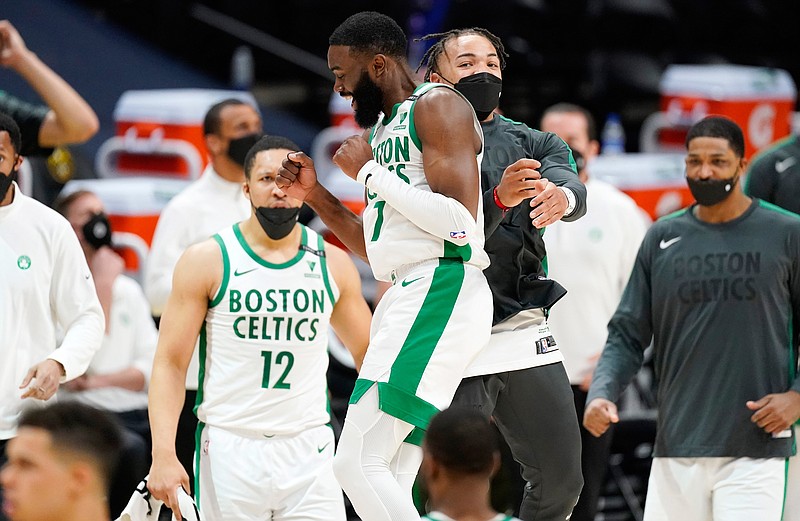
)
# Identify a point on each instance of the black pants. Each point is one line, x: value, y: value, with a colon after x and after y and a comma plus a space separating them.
x: 132, y: 466
x: 594, y: 462
x: 534, y: 411
x: 3, y: 460
x: 185, y: 436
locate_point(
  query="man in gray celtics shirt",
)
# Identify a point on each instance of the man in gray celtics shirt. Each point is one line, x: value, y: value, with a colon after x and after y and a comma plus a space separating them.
x: 717, y: 288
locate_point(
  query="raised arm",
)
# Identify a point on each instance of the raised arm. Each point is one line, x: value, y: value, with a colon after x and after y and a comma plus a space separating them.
x: 298, y: 178
x: 70, y: 119
x: 444, y: 123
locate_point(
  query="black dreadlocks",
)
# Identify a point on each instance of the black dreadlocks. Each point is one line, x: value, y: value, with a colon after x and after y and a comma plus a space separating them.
x: 431, y: 57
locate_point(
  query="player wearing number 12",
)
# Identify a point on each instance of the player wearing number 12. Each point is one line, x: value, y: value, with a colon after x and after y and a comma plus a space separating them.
x: 261, y: 294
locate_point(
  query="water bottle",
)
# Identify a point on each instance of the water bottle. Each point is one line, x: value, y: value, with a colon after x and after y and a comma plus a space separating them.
x: 612, y: 137
x: 242, y: 68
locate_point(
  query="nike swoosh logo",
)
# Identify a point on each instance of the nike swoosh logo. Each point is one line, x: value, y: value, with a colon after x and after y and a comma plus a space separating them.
x: 781, y: 166
x: 238, y: 273
x: 269, y: 435
x: 666, y: 244
x: 407, y: 282
x: 320, y: 449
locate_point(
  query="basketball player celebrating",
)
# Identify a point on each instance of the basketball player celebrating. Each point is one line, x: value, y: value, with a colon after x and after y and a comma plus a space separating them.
x: 422, y: 230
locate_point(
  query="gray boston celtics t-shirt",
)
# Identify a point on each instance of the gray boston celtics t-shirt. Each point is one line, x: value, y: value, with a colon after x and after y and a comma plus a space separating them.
x: 721, y: 304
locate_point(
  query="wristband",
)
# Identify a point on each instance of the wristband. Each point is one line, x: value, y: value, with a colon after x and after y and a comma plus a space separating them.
x: 570, y: 200
x: 497, y: 201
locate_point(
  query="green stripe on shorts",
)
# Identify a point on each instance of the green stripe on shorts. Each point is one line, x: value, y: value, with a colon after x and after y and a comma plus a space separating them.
x: 198, y: 436
x: 428, y: 326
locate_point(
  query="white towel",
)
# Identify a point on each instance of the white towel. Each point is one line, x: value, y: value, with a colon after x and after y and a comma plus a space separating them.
x: 144, y: 507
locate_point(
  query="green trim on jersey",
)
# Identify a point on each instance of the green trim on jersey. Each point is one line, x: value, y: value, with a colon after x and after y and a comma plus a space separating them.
x: 253, y: 255
x: 360, y: 388
x: 198, y: 435
x: 201, y: 372
x: 226, y: 272
x: 421, y: 89
x: 323, y: 263
x: 385, y: 121
x: 203, y: 347
x: 775, y: 208
x: 572, y: 162
x: 781, y: 143
x: 404, y: 405
x: 514, y: 122
x: 676, y: 213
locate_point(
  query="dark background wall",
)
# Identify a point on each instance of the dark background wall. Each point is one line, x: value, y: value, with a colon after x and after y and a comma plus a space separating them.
x: 605, y: 54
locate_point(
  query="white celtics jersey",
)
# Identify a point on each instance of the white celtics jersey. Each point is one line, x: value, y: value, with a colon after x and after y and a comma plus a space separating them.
x: 263, y: 346
x: 392, y: 240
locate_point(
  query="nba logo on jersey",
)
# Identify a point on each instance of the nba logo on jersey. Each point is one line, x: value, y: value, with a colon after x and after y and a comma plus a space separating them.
x: 458, y: 235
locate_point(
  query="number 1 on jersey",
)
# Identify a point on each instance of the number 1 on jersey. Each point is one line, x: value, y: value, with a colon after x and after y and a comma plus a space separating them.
x: 376, y: 232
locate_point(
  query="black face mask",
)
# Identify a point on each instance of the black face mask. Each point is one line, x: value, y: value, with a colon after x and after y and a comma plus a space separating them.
x: 482, y: 90
x: 239, y: 147
x: 97, y: 231
x: 708, y: 192
x: 5, y: 182
x: 277, y: 222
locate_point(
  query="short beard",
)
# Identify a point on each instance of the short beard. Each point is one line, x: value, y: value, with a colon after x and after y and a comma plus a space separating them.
x: 369, y: 101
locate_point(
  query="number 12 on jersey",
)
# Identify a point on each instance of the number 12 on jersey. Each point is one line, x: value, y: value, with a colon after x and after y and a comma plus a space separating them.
x: 284, y: 359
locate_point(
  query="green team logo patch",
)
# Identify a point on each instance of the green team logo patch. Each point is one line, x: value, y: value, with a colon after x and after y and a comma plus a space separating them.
x: 24, y: 262
x: 312, y: 265
x: 400, y: 125
x: 595, y: 235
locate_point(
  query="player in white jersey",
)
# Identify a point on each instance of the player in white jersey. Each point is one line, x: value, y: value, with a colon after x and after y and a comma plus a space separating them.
x: 422, y: 230
x: 261, y: 294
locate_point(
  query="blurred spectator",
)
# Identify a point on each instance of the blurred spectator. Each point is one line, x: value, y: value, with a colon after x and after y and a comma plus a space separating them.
x: 460, y: 456
x: 45, y: 287
x: 66, y: 119
x: 117, y: 378
x: 211, y: 203
x: 774, y: 174
x: 60, y: 464
x: 592, y: 258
